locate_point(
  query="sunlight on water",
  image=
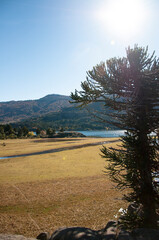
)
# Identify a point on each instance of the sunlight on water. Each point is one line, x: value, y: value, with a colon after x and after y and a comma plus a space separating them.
x: 103, y: 133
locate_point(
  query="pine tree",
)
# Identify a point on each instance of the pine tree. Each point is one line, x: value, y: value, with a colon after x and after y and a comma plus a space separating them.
x: 130, y: 87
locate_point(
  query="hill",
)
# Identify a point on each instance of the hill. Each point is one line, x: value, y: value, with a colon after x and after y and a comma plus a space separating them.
x: 15, y: 111
x: 69, y: 118
x: 53, y: 111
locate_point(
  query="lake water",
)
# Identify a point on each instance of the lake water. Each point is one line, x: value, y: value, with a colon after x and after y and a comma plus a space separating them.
x: 104, y: 133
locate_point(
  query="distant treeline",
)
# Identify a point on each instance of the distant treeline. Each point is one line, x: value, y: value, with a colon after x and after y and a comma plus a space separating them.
x: 52, y: 111
x: 71, y: 119
x: 8, y: 131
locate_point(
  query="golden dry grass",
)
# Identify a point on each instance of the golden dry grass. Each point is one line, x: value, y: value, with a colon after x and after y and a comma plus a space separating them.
x: 70, y: 163
x: 10, y: 147
x: 45, y: 192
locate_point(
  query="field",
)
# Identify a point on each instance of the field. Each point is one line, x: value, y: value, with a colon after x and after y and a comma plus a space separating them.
x: 46, y: 191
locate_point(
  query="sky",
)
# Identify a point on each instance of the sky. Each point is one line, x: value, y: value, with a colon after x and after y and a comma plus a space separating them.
x: 47, y: 46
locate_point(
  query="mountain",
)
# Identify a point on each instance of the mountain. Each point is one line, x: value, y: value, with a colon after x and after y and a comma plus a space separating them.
x: 15, y: 111
x: 50, y: 111
x: 71, y: 118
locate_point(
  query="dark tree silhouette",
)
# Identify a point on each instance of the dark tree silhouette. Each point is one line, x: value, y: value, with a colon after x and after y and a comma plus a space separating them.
x: 130, y: 87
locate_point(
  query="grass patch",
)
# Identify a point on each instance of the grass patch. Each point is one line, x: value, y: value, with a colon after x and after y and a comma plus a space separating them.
x: 88, y: 201
x: 24, y: 146
x: 45, y: 192
x: 70, y: 163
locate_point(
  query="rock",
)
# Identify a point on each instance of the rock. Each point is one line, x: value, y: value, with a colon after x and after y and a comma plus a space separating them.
x: 44, y: 236
x: 145, y: 234
x: 73, y: 233
x: 110, y: 232
x: 81, y: 233
x: 124, y: 235
x: 14, y: 237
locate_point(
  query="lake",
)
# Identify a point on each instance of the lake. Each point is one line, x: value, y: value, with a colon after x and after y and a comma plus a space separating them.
x: 103, y: 133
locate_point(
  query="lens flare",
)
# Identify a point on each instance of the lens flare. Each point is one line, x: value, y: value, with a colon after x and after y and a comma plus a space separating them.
x: 123, y: 18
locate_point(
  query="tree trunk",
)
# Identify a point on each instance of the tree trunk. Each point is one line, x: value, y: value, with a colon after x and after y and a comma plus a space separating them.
x: 147, y: 197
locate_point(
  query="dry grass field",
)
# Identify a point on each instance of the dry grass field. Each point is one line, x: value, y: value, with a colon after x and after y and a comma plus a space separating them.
x: 47, y: 191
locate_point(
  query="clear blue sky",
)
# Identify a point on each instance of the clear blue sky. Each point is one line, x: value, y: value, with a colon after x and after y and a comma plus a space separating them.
x: 46, y: 46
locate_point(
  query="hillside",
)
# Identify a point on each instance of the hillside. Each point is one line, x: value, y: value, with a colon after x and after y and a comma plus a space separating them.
x: 69, y: 118
x: 50, y: 111
x: 15, y: 111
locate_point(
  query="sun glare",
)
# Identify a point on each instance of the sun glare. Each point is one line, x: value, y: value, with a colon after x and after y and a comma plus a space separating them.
x: 122, y: 18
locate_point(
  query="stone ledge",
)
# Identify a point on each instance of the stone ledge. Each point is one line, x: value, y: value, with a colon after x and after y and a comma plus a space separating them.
x: 77, y: 233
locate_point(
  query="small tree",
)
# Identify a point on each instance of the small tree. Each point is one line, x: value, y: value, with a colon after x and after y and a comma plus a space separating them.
x: 61, y: 129
x: 2, y: 133
x: 38, y: 131
x: 130, y: 87
x: 8, y: 129
x: 50, y: 132
x: 20, y: 132
x: 25, y: 131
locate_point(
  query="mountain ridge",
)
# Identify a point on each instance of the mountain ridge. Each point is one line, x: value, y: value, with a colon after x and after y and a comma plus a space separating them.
x: 14, y: 111
x: 53, y: 110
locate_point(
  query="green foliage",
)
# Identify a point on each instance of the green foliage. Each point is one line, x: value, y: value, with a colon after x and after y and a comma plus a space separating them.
x: 50, y: 132
x: 130, y: 87
x: 61, y: 130
x: 7, y: 131
x: 69, y: 118
x: 25, y: 131
x: 2, y: 133
x: 37, y: 131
